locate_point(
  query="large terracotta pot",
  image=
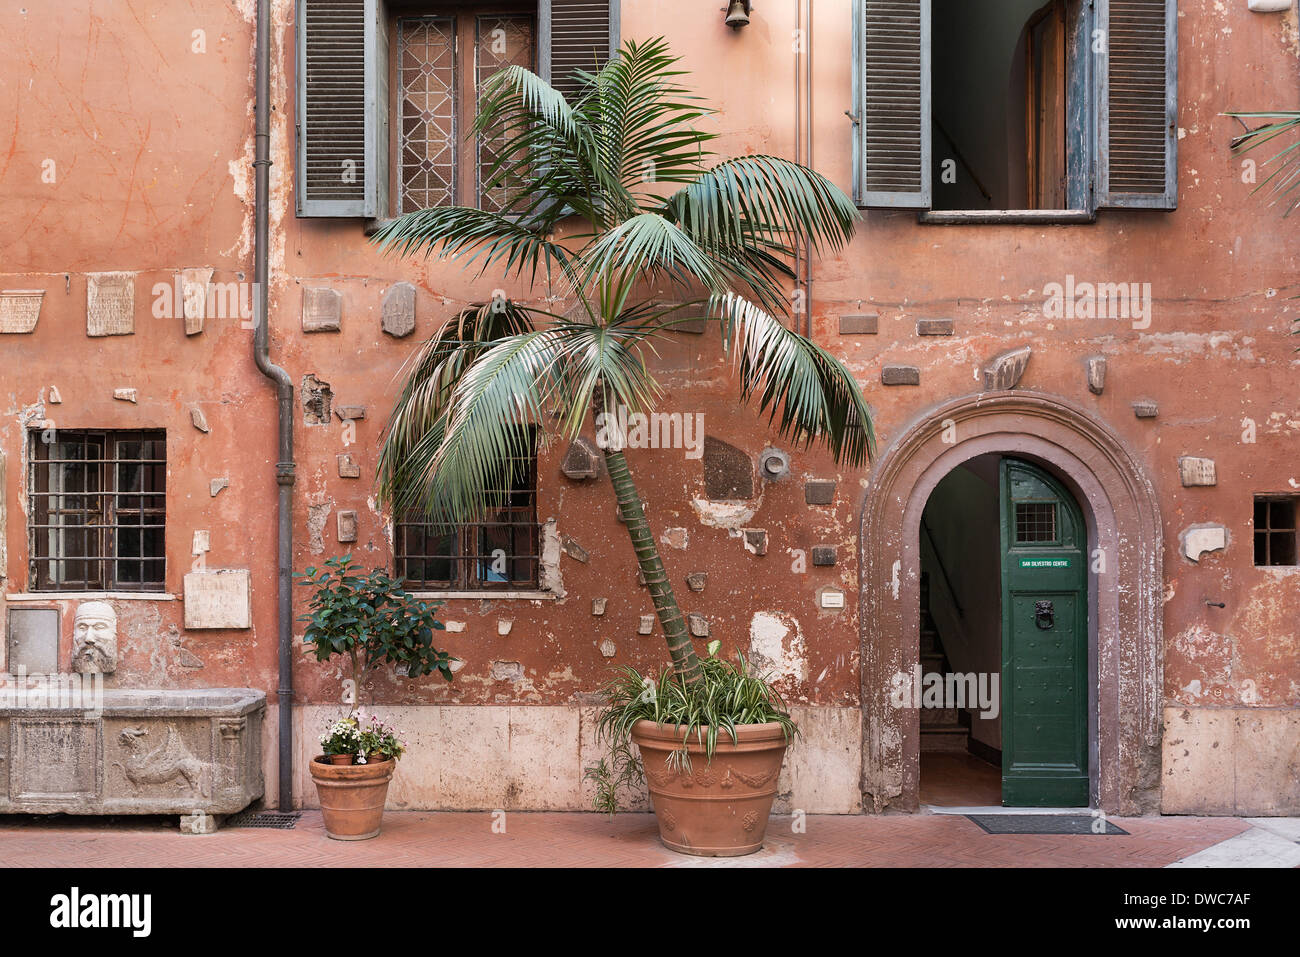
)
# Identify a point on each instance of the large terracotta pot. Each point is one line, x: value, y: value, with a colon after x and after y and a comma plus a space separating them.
x: 352, y: 796
x: 718, y: 808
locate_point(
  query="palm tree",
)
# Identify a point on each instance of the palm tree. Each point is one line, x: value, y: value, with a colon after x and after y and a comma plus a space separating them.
x: 611, y: 195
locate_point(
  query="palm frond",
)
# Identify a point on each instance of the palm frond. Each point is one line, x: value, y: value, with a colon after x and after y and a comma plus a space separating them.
x: 1285, y: 175
x: 806, y: 391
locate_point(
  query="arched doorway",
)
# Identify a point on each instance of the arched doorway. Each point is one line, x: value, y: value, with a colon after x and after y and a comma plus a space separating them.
x: 1124, y: 547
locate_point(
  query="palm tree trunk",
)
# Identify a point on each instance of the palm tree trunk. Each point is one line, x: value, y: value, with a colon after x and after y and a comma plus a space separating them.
x: 685, y: 662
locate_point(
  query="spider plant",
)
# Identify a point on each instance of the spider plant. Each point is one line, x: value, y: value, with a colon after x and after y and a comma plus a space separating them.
x: 726, y: 695
x: 615, y: 200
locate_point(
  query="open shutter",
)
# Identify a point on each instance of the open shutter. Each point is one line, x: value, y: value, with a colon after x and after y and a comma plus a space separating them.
x: 1137, y: 109
x: 892, y: 102
x: 575, y: 35
x: 342, y: 117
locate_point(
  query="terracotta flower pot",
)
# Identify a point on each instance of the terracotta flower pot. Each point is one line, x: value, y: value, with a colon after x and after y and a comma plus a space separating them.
x: 352, y: 797
x: 718, y: 808
x: 340, y: 759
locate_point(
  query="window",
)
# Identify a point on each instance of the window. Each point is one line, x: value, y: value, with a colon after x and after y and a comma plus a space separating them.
x: 500, y: 553
x: 98, y: 510
x: 975, y: 109
x: 1275, y: 530
x: 433, y: 55
x: 443, y: 61
x: 1035, y: 522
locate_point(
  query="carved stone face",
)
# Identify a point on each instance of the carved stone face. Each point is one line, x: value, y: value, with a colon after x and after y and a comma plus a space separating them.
x: 94, y: 634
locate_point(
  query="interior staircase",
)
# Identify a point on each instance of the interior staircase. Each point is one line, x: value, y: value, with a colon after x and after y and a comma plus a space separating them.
x: 942, y: 729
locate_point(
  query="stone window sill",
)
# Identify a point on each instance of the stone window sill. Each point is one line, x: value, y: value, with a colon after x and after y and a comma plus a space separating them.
x: 993, y: 217
x: 91, y: 596
x: 489, y: 595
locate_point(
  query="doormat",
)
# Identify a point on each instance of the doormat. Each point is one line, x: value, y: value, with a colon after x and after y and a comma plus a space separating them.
x: 1043, y: 824
x: 283, y: 820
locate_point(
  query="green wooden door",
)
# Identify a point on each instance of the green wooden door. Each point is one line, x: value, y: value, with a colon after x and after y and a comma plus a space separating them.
x: 1044, y: 642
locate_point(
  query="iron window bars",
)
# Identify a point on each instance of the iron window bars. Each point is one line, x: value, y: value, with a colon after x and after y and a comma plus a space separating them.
x: 1275, y: 530
x: 500, y: 553
x: 98, y: 511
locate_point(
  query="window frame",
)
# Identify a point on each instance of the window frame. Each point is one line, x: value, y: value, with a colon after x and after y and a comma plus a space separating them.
x: 1268, y: 531
x: 108, y: 561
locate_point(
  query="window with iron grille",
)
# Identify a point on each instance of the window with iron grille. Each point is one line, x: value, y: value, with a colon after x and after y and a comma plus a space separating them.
x: 444, y: 58
x: 1275, y: 530
x: 1035, y: 522
x: 500, y: 553
x: 97, y: 511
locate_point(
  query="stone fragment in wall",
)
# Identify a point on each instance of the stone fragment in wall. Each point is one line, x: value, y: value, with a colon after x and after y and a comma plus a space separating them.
x: 728, y: 472
x: 56, y: 397
x: 504, y: 625
x: 823, y: 555
x: 199, y: 420
x: 456, y: 665
x: 755, y: 540
x: 1146, y: 409
x: 202, y: 542
x: 322, y: 310
x: 900, y: 375
x: 699, y: 625
x: 317, y: 400
x: 399, y: 310
x: 316, y: 518
x: 110, y: 304
x: 1096, y: 374
x: 20, y: 309
x: 347, y: 467
x: 1198, y: 539
x: 935, y: 327
x: 346, y: 523
x: 598, y: 606
x: 350, y: 412
x: 194, y: 297
x: 1005, y: 371
x: 608, y: 648
x: 216, y: 485
x: 218, y: 598
x: 646, y: 625
x: 1268, y: 6
x: 819, y: 492
x: 859, y: 324
x: 674, y: 538
x: 1197, y: 472
x: 574, y: 550
x: 696, y: 581
x: 773, y: 465
x: 506, y: 671
x: 583, y: 460
x: 125, y: 395
x: 550, y: 577
x: 189, y: 659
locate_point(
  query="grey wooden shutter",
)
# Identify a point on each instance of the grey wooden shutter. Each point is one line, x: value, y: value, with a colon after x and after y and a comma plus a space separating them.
x: 575, y: 35
x: 1137, y: 103
x: 342, y: 120
x: 892, y: 102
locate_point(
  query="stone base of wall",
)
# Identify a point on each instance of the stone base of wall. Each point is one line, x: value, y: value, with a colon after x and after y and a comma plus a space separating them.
x: 532, y: 759
x: 1233, y: 761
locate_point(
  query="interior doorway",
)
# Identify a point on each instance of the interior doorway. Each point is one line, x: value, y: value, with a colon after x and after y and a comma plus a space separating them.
x: 1004, y: 650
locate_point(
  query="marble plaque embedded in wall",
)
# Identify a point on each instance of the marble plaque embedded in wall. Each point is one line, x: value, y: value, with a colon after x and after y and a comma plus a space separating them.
x: 110, y: 304
x: 218, y: 599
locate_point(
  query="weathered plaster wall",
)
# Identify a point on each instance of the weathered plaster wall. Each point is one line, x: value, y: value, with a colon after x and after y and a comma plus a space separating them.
x: 152, y: 146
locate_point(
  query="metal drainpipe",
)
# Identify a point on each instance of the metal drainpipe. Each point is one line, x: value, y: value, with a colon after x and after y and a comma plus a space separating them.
x: 284, y: 467
x: 808, y: 145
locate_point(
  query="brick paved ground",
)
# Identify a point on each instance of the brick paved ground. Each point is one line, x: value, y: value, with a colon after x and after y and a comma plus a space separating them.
x: 415, y: 838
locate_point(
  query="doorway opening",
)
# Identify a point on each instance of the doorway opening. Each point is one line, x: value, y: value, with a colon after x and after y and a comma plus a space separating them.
x: 1004, y: 629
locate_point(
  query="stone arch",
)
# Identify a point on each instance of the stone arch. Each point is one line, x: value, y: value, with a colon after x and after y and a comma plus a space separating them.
x: 1123, y: 517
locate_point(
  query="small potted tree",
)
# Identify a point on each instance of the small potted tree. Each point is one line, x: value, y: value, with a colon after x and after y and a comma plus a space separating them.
x: 369, y: 618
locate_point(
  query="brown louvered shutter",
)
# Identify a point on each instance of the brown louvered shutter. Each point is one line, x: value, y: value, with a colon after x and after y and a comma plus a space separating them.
x: 1138, y: 103
x: 575, y: 35
x: 892, y: 96
x: 342, y: 72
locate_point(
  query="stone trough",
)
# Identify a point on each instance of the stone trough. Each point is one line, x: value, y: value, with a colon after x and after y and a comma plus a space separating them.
x: 196, y: 753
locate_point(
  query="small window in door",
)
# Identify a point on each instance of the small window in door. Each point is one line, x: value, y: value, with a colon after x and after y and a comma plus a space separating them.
x: 1035, y: 523
x: 1275, y: 530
